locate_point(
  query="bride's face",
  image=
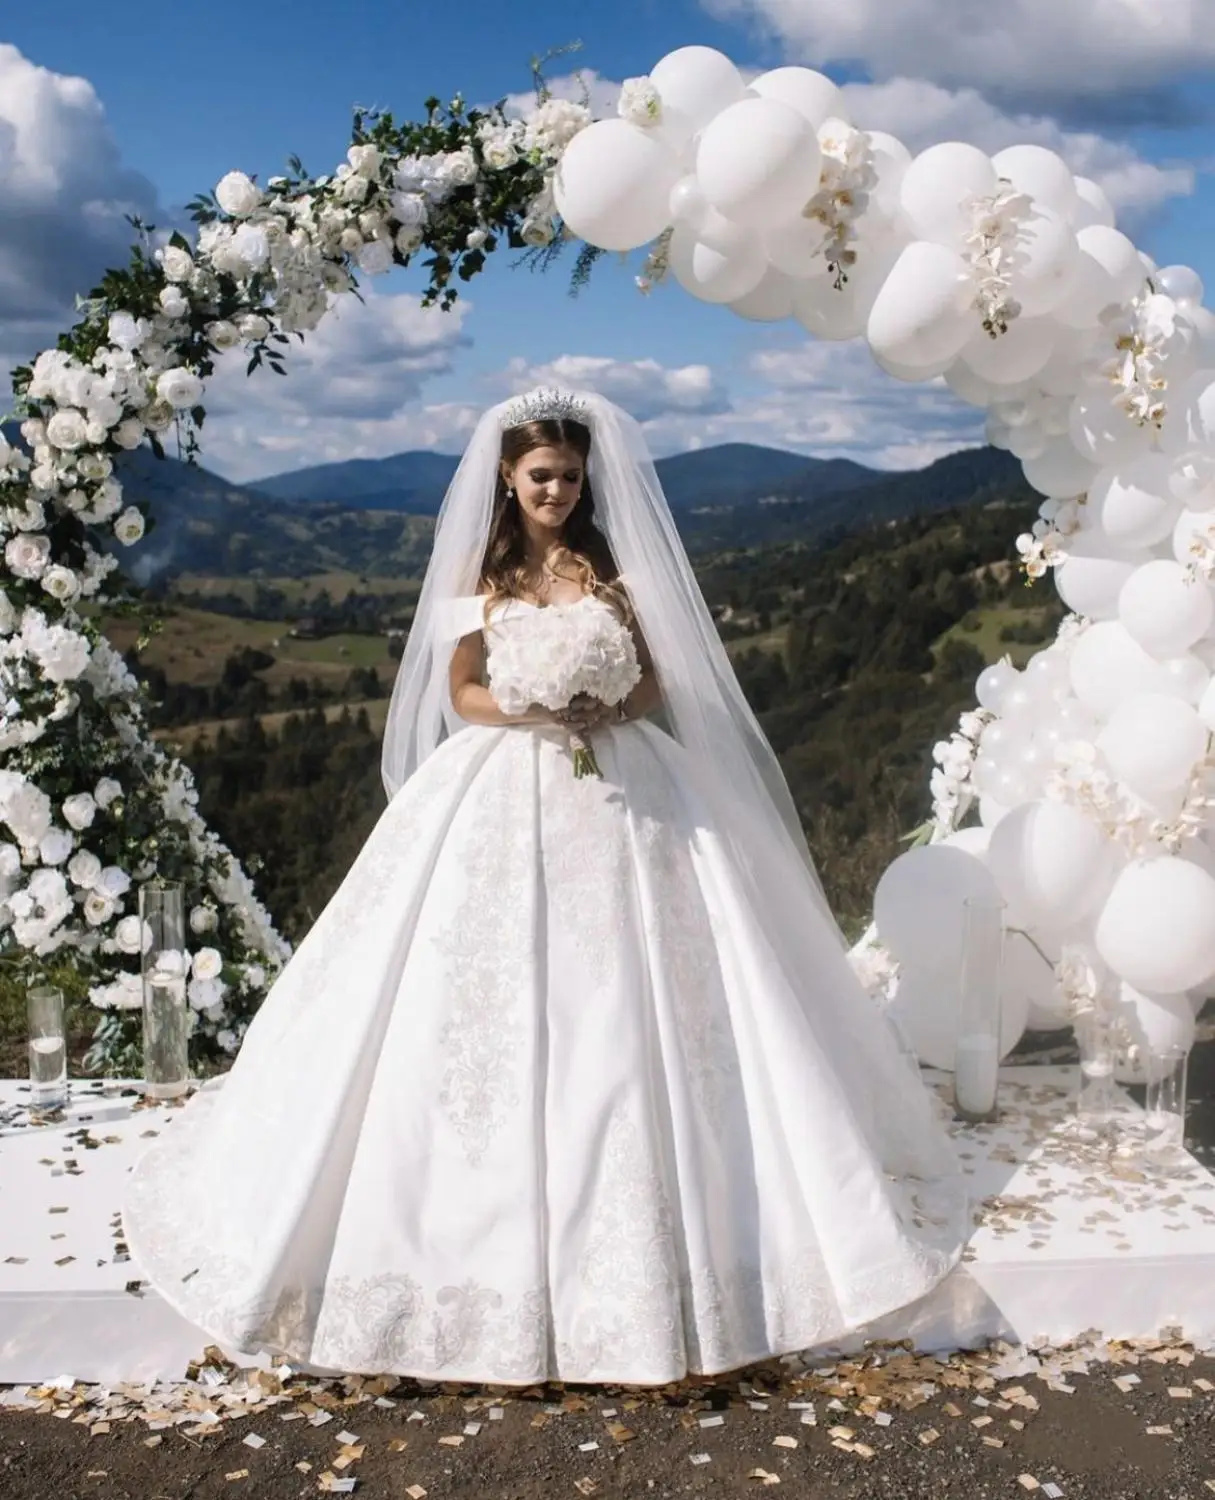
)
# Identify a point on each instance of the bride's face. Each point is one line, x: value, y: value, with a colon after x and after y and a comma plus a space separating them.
x: 548, y: 482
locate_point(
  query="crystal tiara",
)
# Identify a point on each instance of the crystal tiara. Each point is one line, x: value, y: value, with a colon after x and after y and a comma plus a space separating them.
x: 545, y: 404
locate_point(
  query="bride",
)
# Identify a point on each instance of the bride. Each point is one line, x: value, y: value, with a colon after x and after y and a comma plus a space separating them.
x: 572, y: 1079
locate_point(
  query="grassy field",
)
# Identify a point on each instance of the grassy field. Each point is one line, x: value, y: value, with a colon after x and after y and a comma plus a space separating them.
x: 981, y: 629
x: 337, y: 585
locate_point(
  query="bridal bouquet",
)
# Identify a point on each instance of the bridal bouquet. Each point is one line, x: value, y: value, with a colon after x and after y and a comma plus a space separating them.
x: 551, y: 656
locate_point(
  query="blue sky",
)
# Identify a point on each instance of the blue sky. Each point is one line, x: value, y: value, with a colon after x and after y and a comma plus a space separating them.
x: 187, y: 95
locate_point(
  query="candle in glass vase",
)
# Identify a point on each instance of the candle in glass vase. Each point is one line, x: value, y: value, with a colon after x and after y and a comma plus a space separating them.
x: 976, y: 1075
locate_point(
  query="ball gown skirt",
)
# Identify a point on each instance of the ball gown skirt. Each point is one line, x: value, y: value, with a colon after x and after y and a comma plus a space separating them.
x: 538, y: 1097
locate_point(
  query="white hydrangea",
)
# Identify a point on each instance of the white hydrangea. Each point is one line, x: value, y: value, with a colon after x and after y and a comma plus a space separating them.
x: 62, y: 653
x: 553, y: 125
x: 549, y: 656
x: 640, y: 102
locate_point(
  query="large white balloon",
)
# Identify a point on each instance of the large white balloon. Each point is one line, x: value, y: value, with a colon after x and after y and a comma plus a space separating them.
x: 1041, y: 174
x: 1189, y: 422
x: 1158, y: 1024
x: 1108, y: 666
x: 1052, y: 864
x: 936, y: 186
x: 1157, y: 929
x: 1164, y: 609
x: 1182, y: 283
x: 1152, y: 743
x: 694, y: 84
x: 1108, y: 271
x: 796, y: 247
x: 1091, y: 579
x: 1043, y: 264
x: 613, y: 185
x: 1093, y: 207
x: 1102, y: 432
x: 1013, y: 356
x: 922, y: 312
x: 918, y: 905
x: 1029, y: 977
x: 770, y: 301
x: 835, y: 313
x: 1060, y: 471
x: 926, y: 1006
x: 720, y: 262
x: 1134, y: 502
x: 811, y: 93
x: 759, y: 162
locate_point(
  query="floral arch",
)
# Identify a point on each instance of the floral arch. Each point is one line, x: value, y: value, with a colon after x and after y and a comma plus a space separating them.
x: 1005, y: 275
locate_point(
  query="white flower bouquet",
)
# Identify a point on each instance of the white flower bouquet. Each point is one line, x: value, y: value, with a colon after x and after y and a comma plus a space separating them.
x: 552, y: 656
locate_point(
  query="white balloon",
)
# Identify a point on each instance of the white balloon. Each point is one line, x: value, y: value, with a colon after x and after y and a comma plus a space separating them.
x: 1041, y: 174
x: 1163, y: 609
x: 1157, y: 929
x: 918, y: 905
x: 688, y: 203
x: 613, y: 185
x: 1186, y: 677
x: 759, y: 162
x: 1102, y: 432
x: 1189, y: 422
x: 770, y: 301
x: 1109, y: 666
x: 796, y: 247
x: 1013, y: 356
x: 969, y: 387
x: 811, y: 93
x: 1134, y: 502
x: 835, y: 313
x: 1092, y: 207
x: 890, y: 159
x: 694, y: 84
x: 969, y: 840
x: 1206, y: 706
x: 721, y: 262
x: 994, y: 683
x: 1182, y: 283
x: 1060, y: 472
x: 925, y: 1008
x: 1192, y: 481
x: 1108, y: 271
x: 1029, y: 978
x: 991, y: 812
x: 922, y: 312
x: 1043, y: 264
x: 1063, y: 374
x: 1091, y: 579
x: 1153, y: 742
x: 1192, y: 535
x: 1157, y: 1023
x: 936, y: 186
x: 1052, y: 864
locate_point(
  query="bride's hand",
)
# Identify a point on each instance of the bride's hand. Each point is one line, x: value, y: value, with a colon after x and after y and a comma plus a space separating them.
x: 583, y: 712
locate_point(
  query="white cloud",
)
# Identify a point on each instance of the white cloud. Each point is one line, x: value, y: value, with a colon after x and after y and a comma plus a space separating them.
x: 1023, y: 48
x: 645, y: 388
x: 63, y: 195
x: 921, y: 114
x: 351, y: 391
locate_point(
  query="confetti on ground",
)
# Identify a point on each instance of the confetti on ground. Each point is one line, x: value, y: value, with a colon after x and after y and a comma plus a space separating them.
x: 784, y: 1441
x: 345, y: 1437
x: 588, y: 1447
x: 415, y: 1492
x: 237, y: 1474
x: 1027, y: 1482
x: 1052, y: 1491
x: 585, y: 1486
x: 453, y: 1440
x: 716, y: 1421
x: 251, y: 1440
x: 698, y: 1458
x: 763, y: 1476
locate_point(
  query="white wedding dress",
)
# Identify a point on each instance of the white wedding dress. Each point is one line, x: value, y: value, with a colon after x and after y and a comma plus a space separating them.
x: 539, y: 1096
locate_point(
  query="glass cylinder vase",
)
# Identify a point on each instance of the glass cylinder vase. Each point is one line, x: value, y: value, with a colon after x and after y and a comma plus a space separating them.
x: 47, y: 1048
x: 1100, y: 1105
x: 976, y: 1070
x: 166, y: 1067
x: 1164, y: 1103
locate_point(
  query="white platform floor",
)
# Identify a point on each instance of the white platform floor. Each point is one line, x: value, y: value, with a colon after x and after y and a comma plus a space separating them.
x: 1065, y: 1241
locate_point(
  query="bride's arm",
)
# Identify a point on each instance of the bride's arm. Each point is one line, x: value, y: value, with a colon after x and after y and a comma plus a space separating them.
x: 472, y: 700
x: 647, y: 695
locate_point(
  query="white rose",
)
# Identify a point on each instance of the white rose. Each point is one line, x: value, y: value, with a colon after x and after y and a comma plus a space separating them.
x: 228, y: 1041
x: 202, y: 919
x: 55, y: 846
x: 354, y: 188
x: 61, y: 583
x: 207, y: 964
x: 639, y: 102
x: 129, y: 433
x: 254, y: 326
x: 375, y: 258
x: 460, y: 167
x: 179, y: 388
x: 107, y: 500
x: 364, y: 160
x: 98, y: 908
x: 94, y: 466
x: 350, y: 239
x: 125, y: 331
x: 84, y: 868
x: 237, y: 194
x: 67, y: 430
x: 255, y: 975
x: 476, y: 239
x: 537, y: 232
x: 204, y: 993
x: 223, y: 335
x: 251, y: 245
x: 173, y: 302
x: 106, y: 791
x: 500, y: 153
x: 114, y: 882
x: 79, y: 811
x: 408, y: 239
x: 132, y: 935
x: 157, y: 416
x: 409, y: 209
x: 129, y: 526
x: 176, y: 263
x: 27, y: 555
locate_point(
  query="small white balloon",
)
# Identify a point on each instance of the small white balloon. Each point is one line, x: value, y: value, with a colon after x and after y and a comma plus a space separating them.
x: 1164, y: 609
x: 1192, y: 481
x: 1108, y: 272
x: 721, y: 262
x: 796, y: 247
x: 994, y: 683
x: 1041, y: 174
x: 1092, y: 207
x: 922, y: 312
x: 688, y: 203
x: 835, y: 313
x: 1182, y: 283
x: 1102, y: 432
x: 1157, y: 928
x: 1091, y: 579
x: 770, y: 301
x: 1060, y: 472
x: 935, y: 188
x: 1134, y: 502
x: 1186, y: 677
x: 613, y: 185
x: 1013, y: 356
x: 1153, y: 742
x: 1189, y: 423
x: 1193, y: 536
x: 759, y: 162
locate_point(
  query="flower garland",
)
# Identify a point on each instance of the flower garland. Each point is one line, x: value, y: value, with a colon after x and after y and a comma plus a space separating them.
x: 997, y: 222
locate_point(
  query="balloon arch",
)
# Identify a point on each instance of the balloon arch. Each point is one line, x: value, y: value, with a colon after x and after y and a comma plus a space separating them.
x: 1005, y: 275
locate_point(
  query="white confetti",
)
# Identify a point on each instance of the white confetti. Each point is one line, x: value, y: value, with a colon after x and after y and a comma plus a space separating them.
x: 251, y: 1439
x: 714, y: 1421
x: 698, y: 1458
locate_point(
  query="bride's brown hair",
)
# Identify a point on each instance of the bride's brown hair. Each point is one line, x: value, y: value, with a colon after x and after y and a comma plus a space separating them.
x: 583, y: 549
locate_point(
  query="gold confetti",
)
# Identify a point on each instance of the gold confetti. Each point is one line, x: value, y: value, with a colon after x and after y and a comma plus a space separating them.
x: 929, y: 1436
x: 237, y: 1474
x: 585, y: 1486
x: 784, y: 1441
x: 763, y: 1476
x: 452, y: 1440
x: 415, y: 1491
x: 396, y: 1444
x: 620, y: 1432
x: 1164, y: 1431
x: 1027, y: 1481
x: 1181, y: 1393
